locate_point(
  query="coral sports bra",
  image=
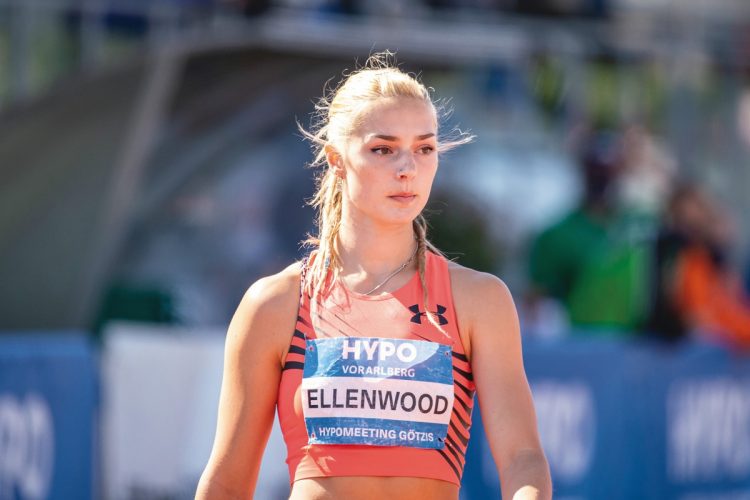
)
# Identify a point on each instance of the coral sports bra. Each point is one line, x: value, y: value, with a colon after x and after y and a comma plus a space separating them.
x: 371, y: 387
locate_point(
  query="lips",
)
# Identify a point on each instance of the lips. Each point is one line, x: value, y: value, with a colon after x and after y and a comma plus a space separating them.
x: 403, y: 197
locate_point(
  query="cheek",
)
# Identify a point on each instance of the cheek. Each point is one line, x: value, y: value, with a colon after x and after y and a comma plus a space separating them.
x: 364, y: 176
x: 428, y: 173
x: 354, y: 191
x: 360, y: 186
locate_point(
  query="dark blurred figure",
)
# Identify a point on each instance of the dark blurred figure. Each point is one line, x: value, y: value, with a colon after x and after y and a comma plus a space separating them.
x: 249, y: 8
x: 696, y: 290
x: 593, y: 261
x: 563, y: 8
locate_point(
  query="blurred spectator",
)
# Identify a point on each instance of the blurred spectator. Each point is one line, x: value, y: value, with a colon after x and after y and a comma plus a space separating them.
x: 696, y: 289
x: 594, y: 260
x: 648, y: 176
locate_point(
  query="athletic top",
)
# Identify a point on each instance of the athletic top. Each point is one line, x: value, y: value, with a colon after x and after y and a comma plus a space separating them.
x: 371, y: 387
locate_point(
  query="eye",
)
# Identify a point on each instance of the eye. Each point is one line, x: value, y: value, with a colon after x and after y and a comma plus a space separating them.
x: 426, y: 149
x: 385, y: 150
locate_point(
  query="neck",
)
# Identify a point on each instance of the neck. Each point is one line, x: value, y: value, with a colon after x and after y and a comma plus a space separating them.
x: 374, y: 252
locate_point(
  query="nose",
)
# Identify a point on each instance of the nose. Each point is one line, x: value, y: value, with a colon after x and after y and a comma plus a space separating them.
x: 407, y: 167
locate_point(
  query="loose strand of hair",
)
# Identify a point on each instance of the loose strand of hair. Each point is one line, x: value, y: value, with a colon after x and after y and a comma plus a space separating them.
x: 423, y: 246
x: 328, y: 203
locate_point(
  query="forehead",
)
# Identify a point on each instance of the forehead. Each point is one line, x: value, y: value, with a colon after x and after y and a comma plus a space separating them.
x: 397, y: 116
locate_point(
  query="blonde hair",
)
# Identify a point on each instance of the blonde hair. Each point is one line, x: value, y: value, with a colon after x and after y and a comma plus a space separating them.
x: 336, y: 114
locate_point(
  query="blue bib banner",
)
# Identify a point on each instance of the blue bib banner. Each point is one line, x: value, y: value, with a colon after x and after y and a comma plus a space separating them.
x: 377, y: 391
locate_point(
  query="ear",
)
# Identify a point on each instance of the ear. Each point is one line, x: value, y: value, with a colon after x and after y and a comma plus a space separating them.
x: 335, y: 160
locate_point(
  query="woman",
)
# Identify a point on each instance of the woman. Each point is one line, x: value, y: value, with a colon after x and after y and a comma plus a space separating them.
x: 373, y: 346
x: 696, y: 288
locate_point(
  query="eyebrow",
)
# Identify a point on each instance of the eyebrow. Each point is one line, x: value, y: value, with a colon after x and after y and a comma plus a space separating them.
x: 393, y: 138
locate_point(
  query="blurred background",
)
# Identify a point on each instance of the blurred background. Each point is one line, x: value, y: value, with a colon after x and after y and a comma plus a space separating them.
x: 151, y: 170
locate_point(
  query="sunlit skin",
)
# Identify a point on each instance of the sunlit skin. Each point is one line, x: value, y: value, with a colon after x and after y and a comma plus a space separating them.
x: 387, y: 165
x: 393, y: 151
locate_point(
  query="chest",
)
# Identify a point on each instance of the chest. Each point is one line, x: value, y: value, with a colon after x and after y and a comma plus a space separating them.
x: 403, y: 317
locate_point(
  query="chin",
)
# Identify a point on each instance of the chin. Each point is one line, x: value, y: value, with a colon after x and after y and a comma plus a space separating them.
x: 399, y: 218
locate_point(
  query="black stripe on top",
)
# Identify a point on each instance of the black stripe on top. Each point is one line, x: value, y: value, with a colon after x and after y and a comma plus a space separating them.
x: 299, y: 334
x: 466, y: 407
x: 453, y: 452
x: 460, y: 436
x: 466, y: 375
x: 461, y: 419
x: 460, y: 356
x: 454, y: 444
x: 460, y: 386
x: 447, y: 459
x: 293, y: 365
x: 297, y: 349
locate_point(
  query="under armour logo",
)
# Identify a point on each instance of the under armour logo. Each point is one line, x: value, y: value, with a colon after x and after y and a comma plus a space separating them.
x: 417, y: 318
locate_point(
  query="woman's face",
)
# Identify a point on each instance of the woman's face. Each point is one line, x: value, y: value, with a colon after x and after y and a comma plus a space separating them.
x: 390, y: 160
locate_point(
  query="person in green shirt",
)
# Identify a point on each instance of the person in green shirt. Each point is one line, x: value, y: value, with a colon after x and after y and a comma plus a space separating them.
x: 595, y: 259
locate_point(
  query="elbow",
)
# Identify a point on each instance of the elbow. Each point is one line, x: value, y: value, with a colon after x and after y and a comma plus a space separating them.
x: 211, y: 487
x: 526, y: 476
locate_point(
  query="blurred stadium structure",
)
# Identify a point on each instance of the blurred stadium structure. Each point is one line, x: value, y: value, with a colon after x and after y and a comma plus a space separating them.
x: 150, y: 170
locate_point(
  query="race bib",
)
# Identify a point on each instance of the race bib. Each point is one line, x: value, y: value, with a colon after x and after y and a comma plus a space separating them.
x: 377, y: 391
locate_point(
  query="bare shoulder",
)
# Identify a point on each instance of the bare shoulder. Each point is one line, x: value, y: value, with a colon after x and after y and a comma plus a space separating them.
x: 266, y: 315
x: 273, y: 293
x: 477, y: 289
x: 480, y: 299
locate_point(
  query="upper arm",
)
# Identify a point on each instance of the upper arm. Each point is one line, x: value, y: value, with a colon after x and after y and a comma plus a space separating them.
x: 256, y: 339
x: 488, y: 314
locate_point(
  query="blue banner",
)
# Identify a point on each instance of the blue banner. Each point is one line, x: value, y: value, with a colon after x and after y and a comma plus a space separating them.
x: 626, y: 420
x: 618, y: 420
x: 48, y: 395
